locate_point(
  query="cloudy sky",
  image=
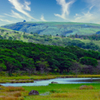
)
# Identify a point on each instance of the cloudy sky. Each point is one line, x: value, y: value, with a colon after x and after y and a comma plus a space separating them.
x: 12, y: 11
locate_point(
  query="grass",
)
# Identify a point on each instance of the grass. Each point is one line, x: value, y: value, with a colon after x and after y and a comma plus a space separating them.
x: 66, y: 92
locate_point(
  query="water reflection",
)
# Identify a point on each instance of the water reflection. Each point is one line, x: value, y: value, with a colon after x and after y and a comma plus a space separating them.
x: 58, y: 80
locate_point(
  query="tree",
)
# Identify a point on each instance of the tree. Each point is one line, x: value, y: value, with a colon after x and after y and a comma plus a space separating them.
x: 11, y: 64
x: 43, y: 65
x: 24, y: 20
x: 2, y: 65
x: 65, y: 64
x: 31, y: 32
x: 89, y: 61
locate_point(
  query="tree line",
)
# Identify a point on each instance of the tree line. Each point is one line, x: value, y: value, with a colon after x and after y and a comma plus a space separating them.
x: 30, y: 58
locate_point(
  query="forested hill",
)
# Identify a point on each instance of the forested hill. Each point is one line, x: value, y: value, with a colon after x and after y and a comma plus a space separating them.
x: 55, y: 28
x: 48, y: 39
x: 28, y: 58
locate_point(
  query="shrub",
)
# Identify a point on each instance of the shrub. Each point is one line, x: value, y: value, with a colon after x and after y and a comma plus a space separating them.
x: 53, y: 91
x: 11, y: 89
x: 16, y: 94
x: 86, y: 87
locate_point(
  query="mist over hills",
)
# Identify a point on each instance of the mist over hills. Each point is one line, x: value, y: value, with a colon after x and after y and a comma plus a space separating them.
x: 54, y: 28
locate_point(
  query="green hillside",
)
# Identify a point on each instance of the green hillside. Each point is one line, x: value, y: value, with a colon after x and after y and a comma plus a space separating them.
x: 55, y: 28
x: 48, y: 39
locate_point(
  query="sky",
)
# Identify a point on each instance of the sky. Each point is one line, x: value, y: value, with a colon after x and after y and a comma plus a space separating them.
x: 13, y: 11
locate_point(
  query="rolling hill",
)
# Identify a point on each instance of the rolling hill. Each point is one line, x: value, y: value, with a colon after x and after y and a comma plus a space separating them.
x: 7, y: 34
x: 56, y: 28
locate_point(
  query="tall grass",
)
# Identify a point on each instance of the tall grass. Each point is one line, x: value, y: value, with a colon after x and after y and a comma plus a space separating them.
x: 12, y: 93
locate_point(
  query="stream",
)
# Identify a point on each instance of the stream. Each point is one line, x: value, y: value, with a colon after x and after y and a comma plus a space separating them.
x: 58, y: 80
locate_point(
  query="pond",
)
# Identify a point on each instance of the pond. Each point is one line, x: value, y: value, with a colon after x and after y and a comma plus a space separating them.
x: 58, y: 80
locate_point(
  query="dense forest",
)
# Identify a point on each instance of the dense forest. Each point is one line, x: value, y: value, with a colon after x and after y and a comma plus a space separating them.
x: 29, y: 58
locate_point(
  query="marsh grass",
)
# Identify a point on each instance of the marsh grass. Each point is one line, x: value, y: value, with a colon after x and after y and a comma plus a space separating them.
x: 12, y: 93
x: 21, y: 81
x: 9, y: 98
x: 11, y: 89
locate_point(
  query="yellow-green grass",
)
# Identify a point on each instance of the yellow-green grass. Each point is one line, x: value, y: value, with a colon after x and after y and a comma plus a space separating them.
x: 65, y: 92
x: 12, y: 93
x: 26, y: 79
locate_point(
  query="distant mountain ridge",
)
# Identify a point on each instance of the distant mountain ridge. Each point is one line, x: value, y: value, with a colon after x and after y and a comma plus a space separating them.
x: 54, y: 28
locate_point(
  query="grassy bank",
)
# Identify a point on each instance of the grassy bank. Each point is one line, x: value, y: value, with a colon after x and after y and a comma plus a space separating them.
x: 65, y: 92
x: 26, y: 79
x: 90, y: 91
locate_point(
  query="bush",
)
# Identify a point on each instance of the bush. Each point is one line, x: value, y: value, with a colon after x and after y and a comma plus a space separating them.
x: 16, y: 94
x: 11, y: 89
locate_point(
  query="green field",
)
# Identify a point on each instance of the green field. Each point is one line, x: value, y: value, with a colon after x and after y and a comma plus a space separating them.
x: 65, y: 92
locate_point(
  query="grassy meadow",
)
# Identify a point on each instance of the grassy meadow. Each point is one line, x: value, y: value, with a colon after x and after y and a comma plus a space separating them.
x: 65, y: 92
x: 87, y: 91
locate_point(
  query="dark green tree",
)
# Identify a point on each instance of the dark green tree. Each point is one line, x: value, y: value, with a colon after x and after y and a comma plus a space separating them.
x: 89, y: 61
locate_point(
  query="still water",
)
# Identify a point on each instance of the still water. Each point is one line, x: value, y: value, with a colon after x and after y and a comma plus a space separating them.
x: 58, y: 80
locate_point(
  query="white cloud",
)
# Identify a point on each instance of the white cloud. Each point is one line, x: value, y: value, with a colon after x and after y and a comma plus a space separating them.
x: 5, y: 20
x: 86, y: 17
x: 93, y: 3
x: 22, y: 7
x: 27, y: 6
x: 15, y: 15
x: 92, y: 15
x: 65, y: 8
x: 42, y: 18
